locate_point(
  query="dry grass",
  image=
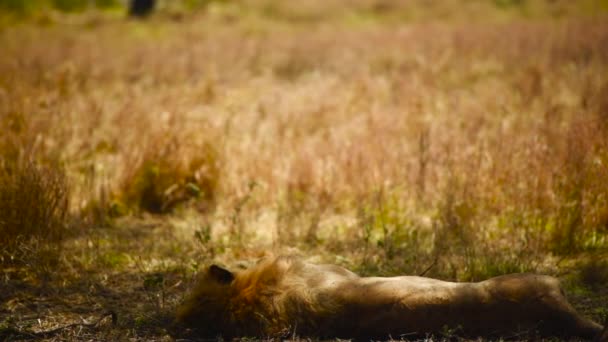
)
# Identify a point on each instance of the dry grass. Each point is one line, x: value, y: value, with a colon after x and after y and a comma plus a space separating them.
x: 34, y: 204
x: 470, y: 139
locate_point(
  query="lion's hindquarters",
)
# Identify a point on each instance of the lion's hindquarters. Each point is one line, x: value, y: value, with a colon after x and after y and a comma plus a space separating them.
x: 539, y: 304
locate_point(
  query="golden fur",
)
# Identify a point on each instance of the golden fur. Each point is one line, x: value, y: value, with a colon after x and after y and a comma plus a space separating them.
x: 285, y: 295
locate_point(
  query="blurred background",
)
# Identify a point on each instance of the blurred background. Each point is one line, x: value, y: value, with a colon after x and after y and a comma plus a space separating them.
x: 396, y: 9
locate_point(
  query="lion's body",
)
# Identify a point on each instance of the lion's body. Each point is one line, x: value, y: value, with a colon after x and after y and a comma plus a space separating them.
x: 285, y: 295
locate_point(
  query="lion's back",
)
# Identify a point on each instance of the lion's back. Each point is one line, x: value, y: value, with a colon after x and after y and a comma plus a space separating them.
x: 524, y: 287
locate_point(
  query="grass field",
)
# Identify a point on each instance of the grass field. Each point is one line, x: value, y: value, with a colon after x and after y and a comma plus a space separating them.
x: 460, y: 139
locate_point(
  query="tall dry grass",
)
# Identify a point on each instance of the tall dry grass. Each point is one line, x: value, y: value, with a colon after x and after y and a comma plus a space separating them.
x: 481, y: 147
x: 33, y: 207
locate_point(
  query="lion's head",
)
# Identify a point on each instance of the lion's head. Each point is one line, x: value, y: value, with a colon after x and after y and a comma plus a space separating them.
x: 206, y: 308
x: 272, y: 298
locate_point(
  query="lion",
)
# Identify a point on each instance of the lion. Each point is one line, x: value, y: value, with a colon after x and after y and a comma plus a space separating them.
x: 284, y: 295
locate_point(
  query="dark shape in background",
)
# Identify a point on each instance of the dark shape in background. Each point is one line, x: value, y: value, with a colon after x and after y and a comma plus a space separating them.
x: 141, y: 8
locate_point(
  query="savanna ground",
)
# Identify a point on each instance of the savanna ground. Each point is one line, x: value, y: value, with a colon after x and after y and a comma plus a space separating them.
x: 459, y: 139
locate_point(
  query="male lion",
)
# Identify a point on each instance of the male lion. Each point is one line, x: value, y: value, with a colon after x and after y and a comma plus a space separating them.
x: 285, y: 295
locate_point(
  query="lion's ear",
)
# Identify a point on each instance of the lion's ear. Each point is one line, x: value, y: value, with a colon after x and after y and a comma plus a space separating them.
x: 221, y: 275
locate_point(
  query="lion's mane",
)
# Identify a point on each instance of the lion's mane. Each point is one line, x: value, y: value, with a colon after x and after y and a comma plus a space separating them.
x: 274, y: 298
